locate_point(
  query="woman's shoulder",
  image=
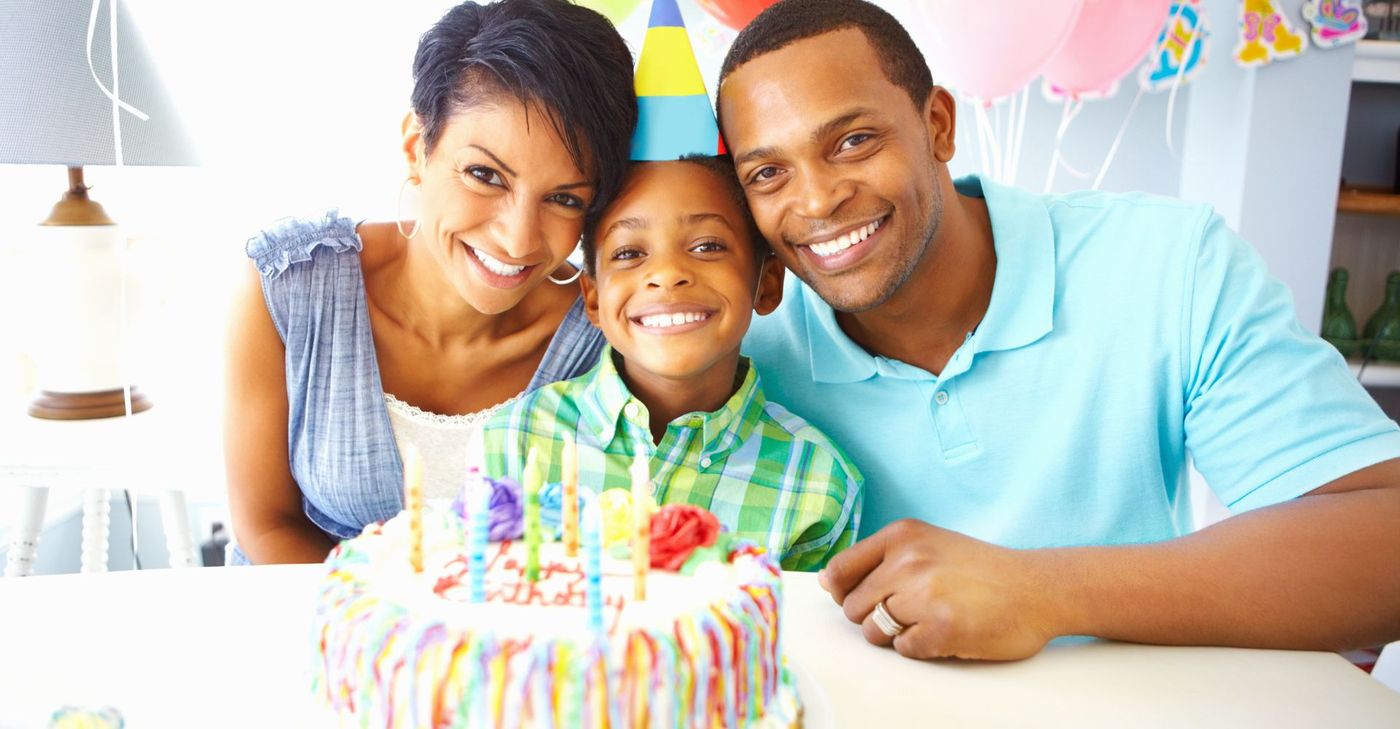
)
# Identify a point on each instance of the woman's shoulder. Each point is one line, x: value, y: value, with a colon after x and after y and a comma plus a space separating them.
x: 293, y: 240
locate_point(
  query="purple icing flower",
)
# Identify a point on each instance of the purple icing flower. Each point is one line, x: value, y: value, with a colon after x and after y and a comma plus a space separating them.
x: 507, y: 509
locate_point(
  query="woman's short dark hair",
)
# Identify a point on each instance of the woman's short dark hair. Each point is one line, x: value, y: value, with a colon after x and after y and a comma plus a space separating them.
x: 561, y: 59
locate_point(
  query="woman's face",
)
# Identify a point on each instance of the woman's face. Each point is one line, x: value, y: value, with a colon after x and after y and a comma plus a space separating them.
x: 502, y: 201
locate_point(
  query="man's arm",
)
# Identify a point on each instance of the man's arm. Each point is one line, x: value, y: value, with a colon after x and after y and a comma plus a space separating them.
x: 1318, y: 572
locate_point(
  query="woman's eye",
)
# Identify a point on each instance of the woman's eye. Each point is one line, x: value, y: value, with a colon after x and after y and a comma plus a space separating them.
x: 485, y: 175
x: 569, y: 201
x: 854, y: 140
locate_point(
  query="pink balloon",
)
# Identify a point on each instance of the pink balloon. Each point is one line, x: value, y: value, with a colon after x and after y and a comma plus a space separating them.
x: 988, y: 49
x: 1110, y: 39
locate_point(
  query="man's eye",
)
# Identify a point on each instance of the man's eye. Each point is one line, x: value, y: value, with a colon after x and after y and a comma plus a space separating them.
x: 854, y: 140
x: 484, y: 174
x: 763, y: 174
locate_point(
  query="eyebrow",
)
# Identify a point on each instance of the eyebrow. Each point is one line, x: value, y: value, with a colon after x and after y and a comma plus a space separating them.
x: 494, y: 158
x: 636, y: 223
x: 817, y: 135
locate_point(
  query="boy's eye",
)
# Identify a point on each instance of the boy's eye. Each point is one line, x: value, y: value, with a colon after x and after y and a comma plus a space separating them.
x: 484, y: 175
x: 708, y: 246
x: 625, y: 254
x: 855, y: 140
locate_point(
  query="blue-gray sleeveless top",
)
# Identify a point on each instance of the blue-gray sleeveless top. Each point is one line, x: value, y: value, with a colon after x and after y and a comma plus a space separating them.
x: 341, y: 447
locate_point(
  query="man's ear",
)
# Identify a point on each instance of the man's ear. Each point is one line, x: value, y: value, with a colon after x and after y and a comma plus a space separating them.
x: 941, y: 115
x: 414, y: 152
x: 589, y: 286
x: 770, y: 286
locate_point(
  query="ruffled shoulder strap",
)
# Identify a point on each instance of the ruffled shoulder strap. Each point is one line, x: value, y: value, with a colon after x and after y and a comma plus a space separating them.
x: 292, y: 240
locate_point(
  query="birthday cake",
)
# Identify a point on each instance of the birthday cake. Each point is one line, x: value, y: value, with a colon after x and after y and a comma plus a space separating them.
x: 397, y: 647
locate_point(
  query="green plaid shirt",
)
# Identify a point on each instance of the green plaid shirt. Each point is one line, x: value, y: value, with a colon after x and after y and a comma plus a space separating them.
x: 768, y: 475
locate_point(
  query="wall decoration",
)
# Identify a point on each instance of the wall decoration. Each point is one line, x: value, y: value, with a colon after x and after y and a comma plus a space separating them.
x: 1266, y: 35
x: 1180, y: 52
x: 1334, y: 22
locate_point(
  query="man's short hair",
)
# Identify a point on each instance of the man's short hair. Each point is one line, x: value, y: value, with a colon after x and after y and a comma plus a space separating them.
x: 788, y: 21
x: 722, y: 169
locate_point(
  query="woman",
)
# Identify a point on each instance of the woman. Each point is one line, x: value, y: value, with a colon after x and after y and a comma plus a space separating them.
x: 350, y: 341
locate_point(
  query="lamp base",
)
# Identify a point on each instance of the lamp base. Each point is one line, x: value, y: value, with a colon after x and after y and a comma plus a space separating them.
x: 86, y: 405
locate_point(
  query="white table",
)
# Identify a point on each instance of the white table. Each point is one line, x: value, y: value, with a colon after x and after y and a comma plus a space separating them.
x: 231, y: 647
x: 164, y: 450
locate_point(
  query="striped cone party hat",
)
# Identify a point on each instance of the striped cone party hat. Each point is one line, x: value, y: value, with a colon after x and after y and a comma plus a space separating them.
x: 674, y: 116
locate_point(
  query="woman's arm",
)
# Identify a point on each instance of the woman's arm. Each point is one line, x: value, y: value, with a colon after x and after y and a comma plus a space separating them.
x: 264, y: 498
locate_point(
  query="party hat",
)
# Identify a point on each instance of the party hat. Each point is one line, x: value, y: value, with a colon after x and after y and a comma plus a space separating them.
x: 674, y: 116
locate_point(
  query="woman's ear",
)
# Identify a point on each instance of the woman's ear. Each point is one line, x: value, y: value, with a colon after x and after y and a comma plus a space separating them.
x: 589, y: 286
x: 770, y: 286
x: 415, y: 155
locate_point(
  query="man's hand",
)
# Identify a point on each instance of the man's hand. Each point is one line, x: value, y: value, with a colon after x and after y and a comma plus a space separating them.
x: 955, y: 595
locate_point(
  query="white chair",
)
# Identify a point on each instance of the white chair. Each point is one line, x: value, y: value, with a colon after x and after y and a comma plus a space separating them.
x: 147, y: 452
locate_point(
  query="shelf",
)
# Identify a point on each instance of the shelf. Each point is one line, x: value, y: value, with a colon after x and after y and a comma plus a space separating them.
x: 1377, y: 374
x: 1368, y: 200
x: 1377, y: 62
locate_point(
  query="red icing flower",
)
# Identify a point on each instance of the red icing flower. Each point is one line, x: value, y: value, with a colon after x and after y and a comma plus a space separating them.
x: 676, y: 531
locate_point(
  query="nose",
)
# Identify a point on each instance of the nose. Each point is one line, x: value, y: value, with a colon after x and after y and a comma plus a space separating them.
x: 668, y: 270
x: 820, y: 192
x: 516, y: 229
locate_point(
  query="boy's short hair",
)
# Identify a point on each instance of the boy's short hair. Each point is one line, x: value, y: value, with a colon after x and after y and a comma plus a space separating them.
x: 722, y: 169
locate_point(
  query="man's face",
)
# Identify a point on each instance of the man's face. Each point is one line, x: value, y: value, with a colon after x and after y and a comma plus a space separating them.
x: 838, y: 166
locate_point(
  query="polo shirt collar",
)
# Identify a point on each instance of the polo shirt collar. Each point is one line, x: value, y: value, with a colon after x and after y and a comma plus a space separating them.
x: 1023, y: 291
x: 1022, y: 308
x: 603, y: 406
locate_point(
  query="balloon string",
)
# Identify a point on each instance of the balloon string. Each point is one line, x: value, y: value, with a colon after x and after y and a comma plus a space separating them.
x: 981, y: 137
x: 993, y: 146
x: 1117, y: 140
x: 1067, y: 114
x: 1010, y: 139
x: 1020, y: 136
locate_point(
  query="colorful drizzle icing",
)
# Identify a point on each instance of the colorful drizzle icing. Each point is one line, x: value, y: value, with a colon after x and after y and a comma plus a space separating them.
x: 397, y: 649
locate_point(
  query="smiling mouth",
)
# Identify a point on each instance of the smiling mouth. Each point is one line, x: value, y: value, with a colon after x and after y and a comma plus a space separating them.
x: 828, y: 248
x: 495, y: 265
x: 669, y: 321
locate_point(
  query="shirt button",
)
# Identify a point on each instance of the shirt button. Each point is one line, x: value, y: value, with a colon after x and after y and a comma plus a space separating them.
x: 941, y: 397
x: 705, y: 462
x: 630, y: 410
x: 695, y: 422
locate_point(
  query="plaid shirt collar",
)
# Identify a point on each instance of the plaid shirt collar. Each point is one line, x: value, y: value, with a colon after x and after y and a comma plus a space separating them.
x: 607, y: 406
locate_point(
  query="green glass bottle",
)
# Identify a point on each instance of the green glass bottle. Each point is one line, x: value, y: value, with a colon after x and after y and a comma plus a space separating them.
x: 1383, y: 328
x: 1338, y: 325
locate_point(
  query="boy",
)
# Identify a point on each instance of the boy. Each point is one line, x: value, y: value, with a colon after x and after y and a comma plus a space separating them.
x: 673, y: 270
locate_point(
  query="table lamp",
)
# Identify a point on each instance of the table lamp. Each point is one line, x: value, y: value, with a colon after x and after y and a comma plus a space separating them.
x: 78, y: 87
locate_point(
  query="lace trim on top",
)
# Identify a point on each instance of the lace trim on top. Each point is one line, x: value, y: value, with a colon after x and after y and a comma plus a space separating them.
x: 465, y: 420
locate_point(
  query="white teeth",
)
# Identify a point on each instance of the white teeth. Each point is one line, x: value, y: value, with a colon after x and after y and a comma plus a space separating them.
x: 842, y: 242
x: 661, y: 321
x: 500, y: 268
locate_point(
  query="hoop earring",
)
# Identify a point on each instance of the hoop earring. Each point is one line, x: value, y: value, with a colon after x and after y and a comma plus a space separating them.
x: 577, y: 272
x: 398, y: 208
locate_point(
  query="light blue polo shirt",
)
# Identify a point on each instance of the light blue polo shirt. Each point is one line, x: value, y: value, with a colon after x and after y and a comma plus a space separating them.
x: 1124, y: 333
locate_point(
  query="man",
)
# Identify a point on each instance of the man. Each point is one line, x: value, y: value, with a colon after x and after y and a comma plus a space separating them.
x: 1021, y: 379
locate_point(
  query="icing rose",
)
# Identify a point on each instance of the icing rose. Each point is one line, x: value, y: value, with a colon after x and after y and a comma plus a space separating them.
x: 507, y: 509
x: 676, y: 531
x: 616, y: 505
x: 551, y: 505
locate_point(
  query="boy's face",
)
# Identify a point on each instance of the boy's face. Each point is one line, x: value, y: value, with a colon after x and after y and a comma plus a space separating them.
x: 675, y: 277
